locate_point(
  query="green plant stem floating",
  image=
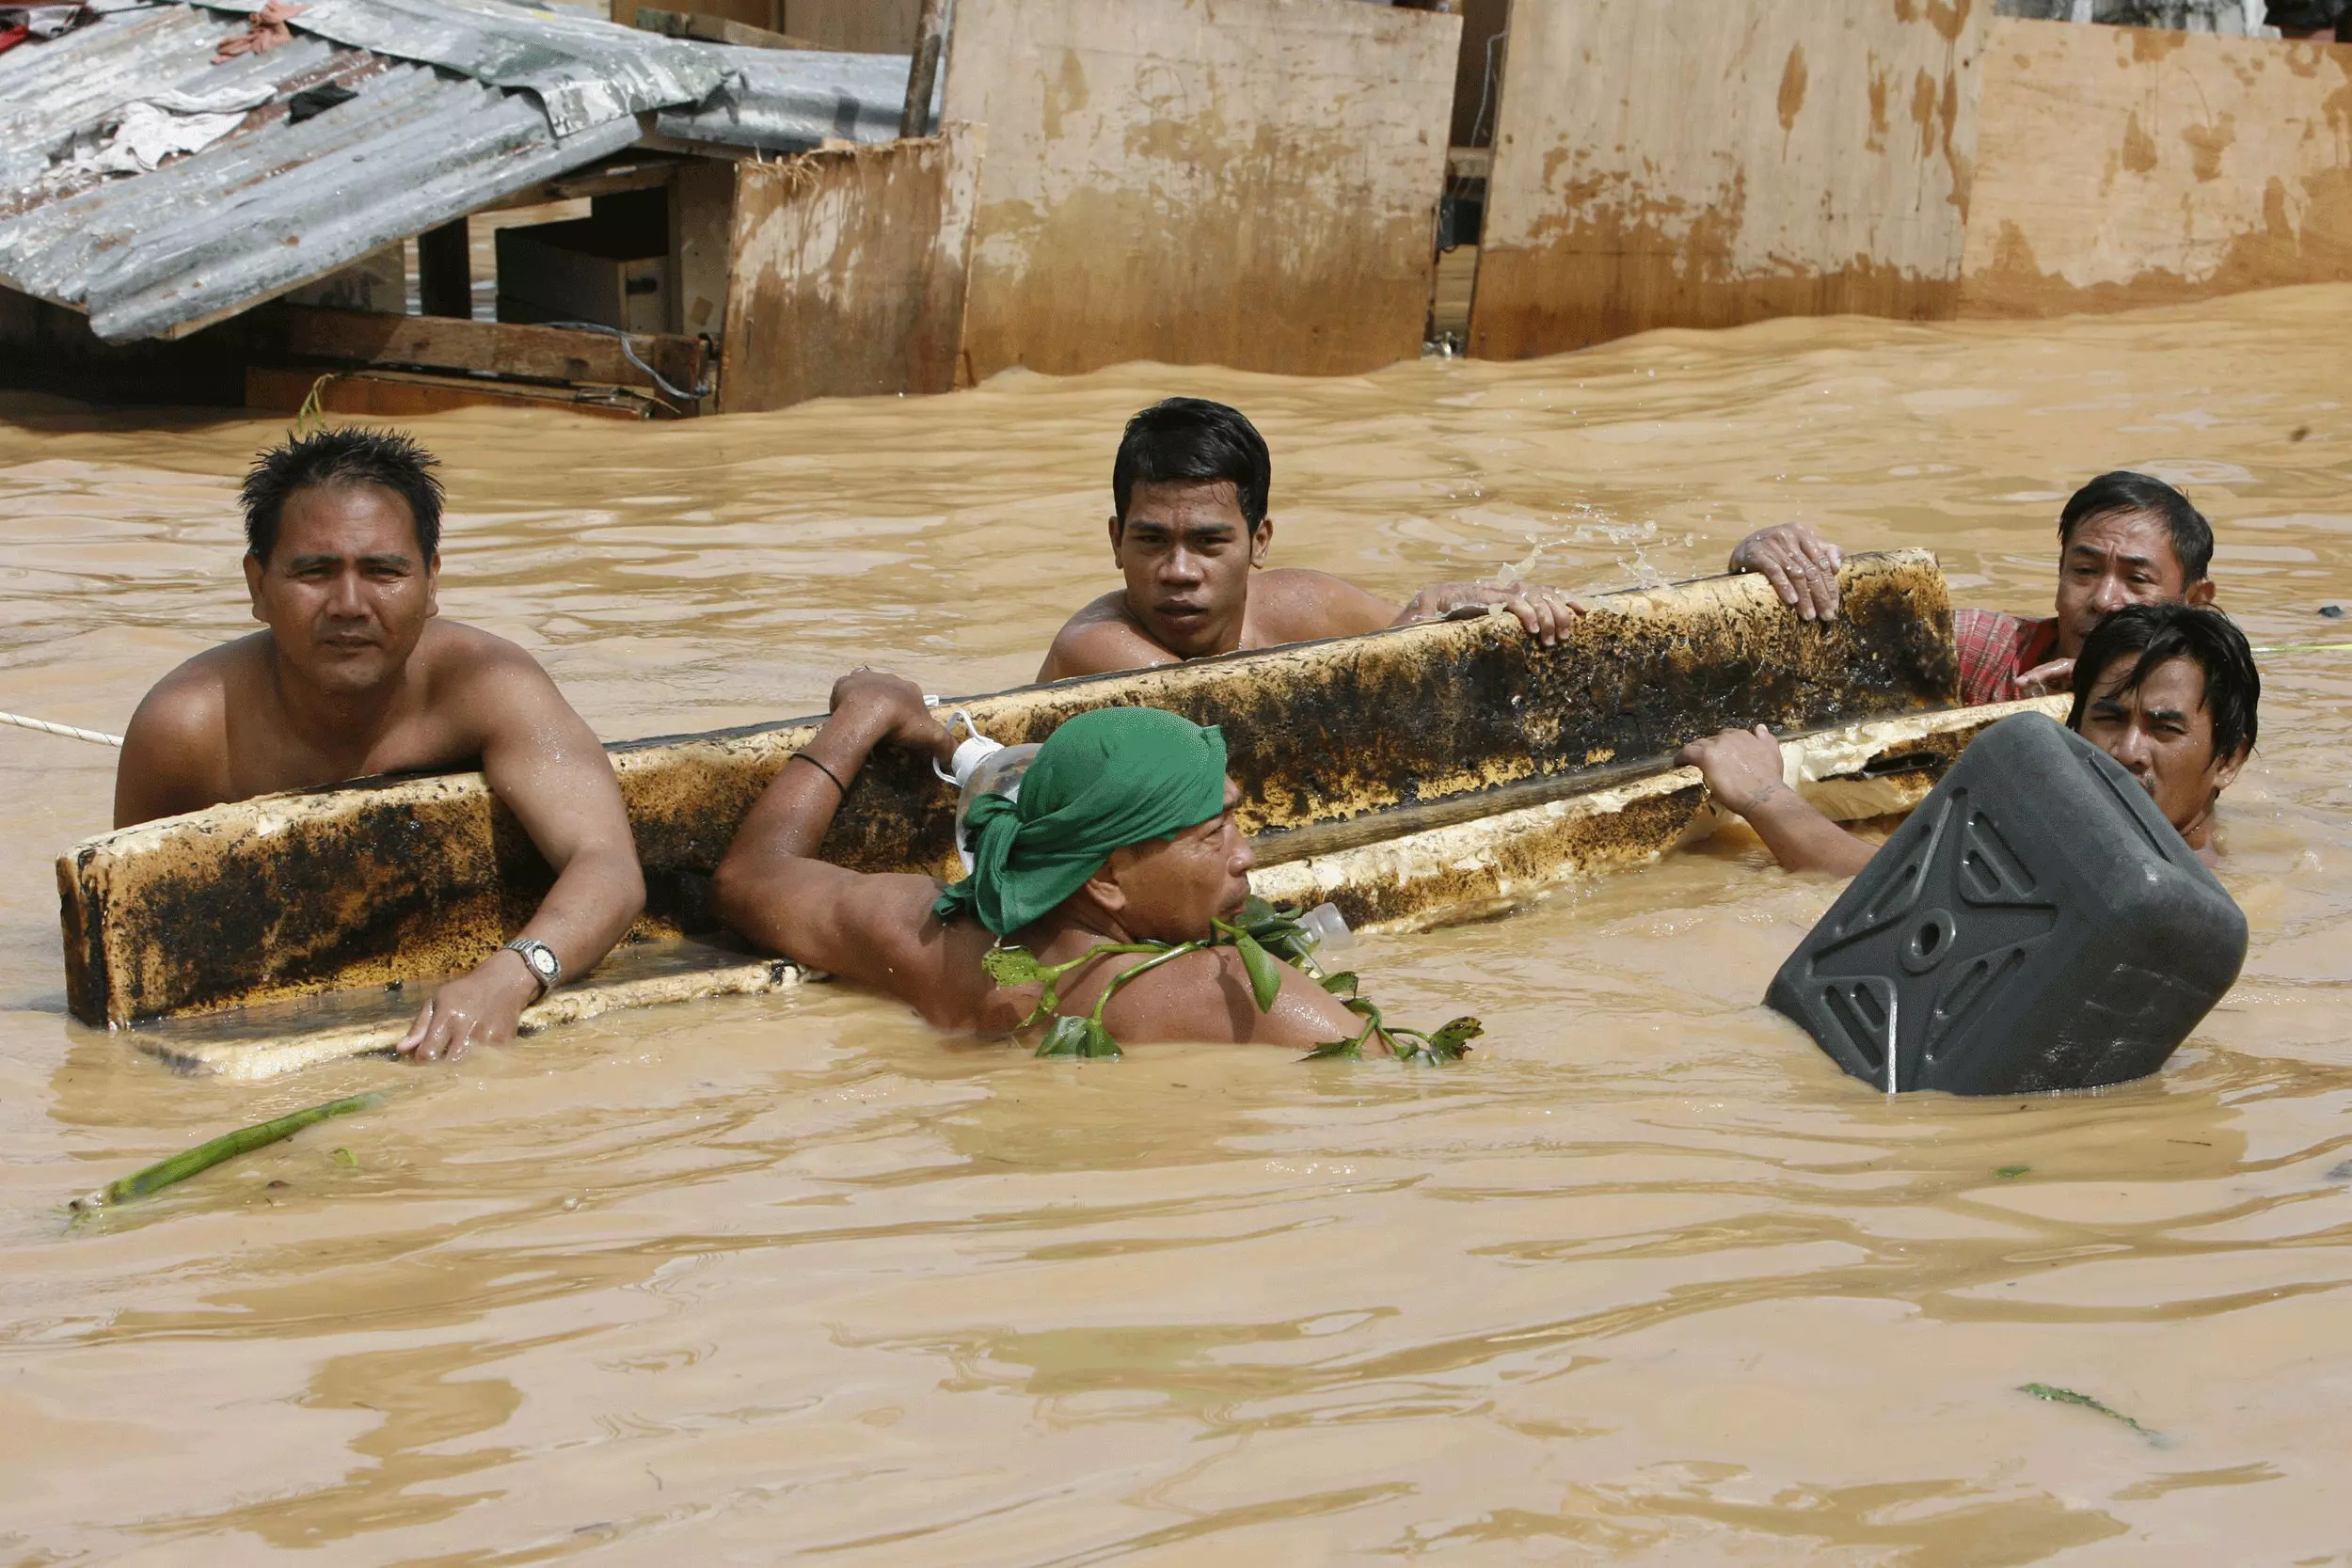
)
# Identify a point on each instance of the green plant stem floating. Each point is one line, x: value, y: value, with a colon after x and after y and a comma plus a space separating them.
x: 1266, y: 936
x: 245, y: 1140
x: 2068, y: 1396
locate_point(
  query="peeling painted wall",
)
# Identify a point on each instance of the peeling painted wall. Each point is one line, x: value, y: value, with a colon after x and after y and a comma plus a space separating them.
x: 847, y: 273
x: 2124, y: 167
x: 1688, y: 163
x: 1247, y: 182
x: 292, y: 895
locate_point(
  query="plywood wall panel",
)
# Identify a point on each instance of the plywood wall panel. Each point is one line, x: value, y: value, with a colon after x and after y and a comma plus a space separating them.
x: 2124, y: 167
x: 1247, y: 182
x: 847, y: 271
x: 1688, y: 163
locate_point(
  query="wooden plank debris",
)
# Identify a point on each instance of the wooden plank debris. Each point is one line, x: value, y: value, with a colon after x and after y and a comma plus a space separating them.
x: 1661, y: 163
x: 395, y: 879
x: 2124, y: 167
x: 846, y: 272
x: 1246, y: 182
x: 360, y: 338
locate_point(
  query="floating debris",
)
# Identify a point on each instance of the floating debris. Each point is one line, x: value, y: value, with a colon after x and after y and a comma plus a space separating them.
x: 203, y: 1157
x: 2068, y: 1396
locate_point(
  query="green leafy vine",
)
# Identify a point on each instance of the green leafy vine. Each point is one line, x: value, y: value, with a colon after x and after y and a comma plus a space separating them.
x: 1266, y: 936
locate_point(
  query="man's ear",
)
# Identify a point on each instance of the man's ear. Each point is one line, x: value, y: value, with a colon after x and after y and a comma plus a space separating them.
x: 1104, y: 886
x: 2201, y: 592
x: 2225, y: 773
x: 253, y: 570
x: 1119, y: 532
x: 433, y: 585
x: 1261, y: 541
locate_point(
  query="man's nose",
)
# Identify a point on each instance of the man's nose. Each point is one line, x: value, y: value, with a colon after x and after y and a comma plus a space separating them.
x: 344, y: 597
x: 2112, y: 595
x: 2134, y: 749
x: 1244, y: 857
x: 1180, y: 565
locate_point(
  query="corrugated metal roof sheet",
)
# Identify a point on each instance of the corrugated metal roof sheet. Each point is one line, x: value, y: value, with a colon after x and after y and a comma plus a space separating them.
x: 274, y: 205
x: 585, y: 72
x: 788, y: 99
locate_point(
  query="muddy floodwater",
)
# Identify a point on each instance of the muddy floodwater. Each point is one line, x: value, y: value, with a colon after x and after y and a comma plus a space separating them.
x: 1645, y: 1280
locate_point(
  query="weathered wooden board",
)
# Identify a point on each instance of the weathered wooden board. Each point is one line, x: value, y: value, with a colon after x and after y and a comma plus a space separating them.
x: 1472, y: 869
x: 1247, y: 182
x: 438, y: 342
x: 847, y: 271
x: 407, y: 394
x: 2123, y: 167
x: 1466, y: 869
x: 867, y: 26
x: 1681, y: 163
x: 394, y: 880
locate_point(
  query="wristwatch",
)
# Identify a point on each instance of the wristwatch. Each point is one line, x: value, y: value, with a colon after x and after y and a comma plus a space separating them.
x: 545, y: 967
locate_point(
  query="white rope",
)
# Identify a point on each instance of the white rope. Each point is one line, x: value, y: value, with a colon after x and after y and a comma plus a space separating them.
x: 45, y: 727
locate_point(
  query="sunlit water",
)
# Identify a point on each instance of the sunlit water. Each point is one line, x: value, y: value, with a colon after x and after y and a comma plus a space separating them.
x: 1647, y: 1280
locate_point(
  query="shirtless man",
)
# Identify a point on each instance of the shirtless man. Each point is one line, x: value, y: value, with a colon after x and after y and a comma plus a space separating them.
x: 355, y: 676
x: 1124, y: 830
x: 2124, y: 538
x: 2167, y: 690
x: 1190, y: 526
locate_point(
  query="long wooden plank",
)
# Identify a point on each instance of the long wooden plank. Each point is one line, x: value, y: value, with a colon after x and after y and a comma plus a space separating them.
x: 503, y: 348
x: 1465, y: 870
x: 395, y: 879
x: 847, y: 271
x: 1677, y: 163
x: 2123, y: 167
x: 1246, y: 182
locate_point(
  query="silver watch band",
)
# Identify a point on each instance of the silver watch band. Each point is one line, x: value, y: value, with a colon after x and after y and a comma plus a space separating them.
x: 540, y: 960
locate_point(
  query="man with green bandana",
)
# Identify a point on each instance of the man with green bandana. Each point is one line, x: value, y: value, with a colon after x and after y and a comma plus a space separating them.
x: 1123, y: 832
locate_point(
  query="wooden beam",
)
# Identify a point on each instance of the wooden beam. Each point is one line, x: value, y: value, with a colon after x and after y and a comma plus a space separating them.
x: 402, y: 394
x: 501, y: 348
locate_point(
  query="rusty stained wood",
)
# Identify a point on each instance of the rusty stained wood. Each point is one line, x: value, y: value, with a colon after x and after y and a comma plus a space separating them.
x: 1484, y: 867
x: 382, y: 881
x: 1246, y: 182
x: 848, y: 270
x: 1678, y: 163
x: 435, y: 342
x: 2123, y: 167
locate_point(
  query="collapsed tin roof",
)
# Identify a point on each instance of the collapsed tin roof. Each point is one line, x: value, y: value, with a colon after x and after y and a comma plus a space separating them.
x: 159, y: 187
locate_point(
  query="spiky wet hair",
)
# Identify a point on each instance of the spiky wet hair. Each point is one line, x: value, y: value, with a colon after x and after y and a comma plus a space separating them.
x: 331, y: 457
x: 2152, y: 634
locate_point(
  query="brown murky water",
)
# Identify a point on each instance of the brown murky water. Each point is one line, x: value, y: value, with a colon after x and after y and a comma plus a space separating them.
x: 1646, y: 1281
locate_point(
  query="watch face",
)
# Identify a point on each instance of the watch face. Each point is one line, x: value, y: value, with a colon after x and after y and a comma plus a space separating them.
x: 542, y: 962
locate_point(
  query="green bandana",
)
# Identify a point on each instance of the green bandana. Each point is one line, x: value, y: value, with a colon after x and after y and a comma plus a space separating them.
x: 1102, y: 781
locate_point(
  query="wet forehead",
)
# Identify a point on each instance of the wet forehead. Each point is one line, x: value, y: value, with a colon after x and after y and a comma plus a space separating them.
x: 2125, y: 536
x: 2176, y: 685
x: 345, y: 520
x: 1186, y: 504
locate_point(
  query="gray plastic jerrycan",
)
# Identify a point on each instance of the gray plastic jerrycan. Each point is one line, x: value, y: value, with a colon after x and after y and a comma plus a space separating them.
x: 2035, y: 925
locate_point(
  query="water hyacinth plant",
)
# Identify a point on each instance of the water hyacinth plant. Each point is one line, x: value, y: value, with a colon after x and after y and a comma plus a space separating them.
x: 1265, y: 935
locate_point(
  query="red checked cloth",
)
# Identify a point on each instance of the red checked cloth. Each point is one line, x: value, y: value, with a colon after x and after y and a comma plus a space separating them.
x: 1994, y: 649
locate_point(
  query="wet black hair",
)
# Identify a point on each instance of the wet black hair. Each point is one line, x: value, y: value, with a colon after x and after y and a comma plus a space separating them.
x: 341, y: 457
x: 2125, y: 491
x: 2159, y: 632
x: 1192, y: 439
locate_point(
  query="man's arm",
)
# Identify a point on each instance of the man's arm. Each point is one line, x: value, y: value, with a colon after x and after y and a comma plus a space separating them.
x: 1801, y: 566
x: 1743, y: 768
x: 1342, y: 609
x: 547, y: 767
x: 875, y: 929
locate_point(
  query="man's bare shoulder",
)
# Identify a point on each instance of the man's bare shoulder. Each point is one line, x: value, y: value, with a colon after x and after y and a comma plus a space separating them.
x: 175, y: 750
x: 1100, y: 639
x: 1296, y: 604
x: 465, y: 666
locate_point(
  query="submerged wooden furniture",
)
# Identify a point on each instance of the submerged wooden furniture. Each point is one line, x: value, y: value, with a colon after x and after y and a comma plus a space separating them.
x: 1424, y: 740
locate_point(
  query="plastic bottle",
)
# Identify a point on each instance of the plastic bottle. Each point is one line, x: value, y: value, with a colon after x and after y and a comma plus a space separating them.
x: 1327, y: 929
x: 982, y: 767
